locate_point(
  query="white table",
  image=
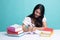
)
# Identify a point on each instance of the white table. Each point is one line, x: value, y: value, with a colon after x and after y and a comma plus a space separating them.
x: 55, y: 36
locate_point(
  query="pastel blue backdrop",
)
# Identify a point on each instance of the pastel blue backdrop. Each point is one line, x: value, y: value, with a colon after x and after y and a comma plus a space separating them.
x: 14, y: 11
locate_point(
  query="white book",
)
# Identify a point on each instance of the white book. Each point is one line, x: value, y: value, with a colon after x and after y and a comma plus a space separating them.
x: 16, y: 27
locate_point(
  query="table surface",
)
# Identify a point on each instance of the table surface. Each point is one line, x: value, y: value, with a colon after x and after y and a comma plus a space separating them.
x: 55, y: 36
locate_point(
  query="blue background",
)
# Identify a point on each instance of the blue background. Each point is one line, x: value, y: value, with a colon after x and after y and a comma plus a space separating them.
x: 14, y: 11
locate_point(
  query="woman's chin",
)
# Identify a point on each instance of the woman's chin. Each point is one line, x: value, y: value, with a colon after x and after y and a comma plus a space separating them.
x: 36, y: 17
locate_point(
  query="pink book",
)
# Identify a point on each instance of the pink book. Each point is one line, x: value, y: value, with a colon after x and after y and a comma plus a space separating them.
x: 11, y: 32
x: 14, y: 29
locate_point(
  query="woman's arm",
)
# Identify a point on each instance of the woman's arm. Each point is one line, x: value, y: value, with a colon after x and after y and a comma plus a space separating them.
x: 44, y: 24
x: 24, y: 28
x: 29, y: 29
x: 41, y: 28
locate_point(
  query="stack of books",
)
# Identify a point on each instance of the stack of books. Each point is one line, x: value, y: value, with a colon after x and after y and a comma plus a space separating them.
x: 14, y: 29
x: 46, y: 32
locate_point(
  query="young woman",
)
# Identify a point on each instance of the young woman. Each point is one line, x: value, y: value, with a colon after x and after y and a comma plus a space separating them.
x: 36, y: 20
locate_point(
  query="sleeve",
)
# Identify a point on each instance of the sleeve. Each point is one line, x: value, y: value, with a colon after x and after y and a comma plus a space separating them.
x: 27, y: 21
x: 44, y: 19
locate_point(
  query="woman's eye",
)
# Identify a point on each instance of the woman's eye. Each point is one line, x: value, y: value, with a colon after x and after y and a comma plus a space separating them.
x: 36, y: 11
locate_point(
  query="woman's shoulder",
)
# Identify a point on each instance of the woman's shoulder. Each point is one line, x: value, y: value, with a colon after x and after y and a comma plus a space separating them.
x: 27, y: 18
x: 27, y: 21
x: 44, y: 19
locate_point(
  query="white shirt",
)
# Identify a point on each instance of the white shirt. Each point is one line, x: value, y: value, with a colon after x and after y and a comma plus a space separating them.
x: 27, y: 21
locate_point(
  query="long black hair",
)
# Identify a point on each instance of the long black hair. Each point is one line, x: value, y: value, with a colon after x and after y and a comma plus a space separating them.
x: 38, y: 21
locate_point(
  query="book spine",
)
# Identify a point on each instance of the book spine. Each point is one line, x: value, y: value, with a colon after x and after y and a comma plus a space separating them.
x: 11, y: 32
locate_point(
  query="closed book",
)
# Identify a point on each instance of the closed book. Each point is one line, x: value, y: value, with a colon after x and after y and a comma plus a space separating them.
x: 14, y: 29
x: 11, y: 32
x: 48, y: 29
x: 46, y: 32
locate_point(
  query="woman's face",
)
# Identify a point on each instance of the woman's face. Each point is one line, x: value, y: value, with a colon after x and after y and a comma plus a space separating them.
x: 37, y: 13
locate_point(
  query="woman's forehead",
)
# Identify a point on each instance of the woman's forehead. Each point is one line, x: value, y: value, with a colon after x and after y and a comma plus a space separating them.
x: 38, y: 10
